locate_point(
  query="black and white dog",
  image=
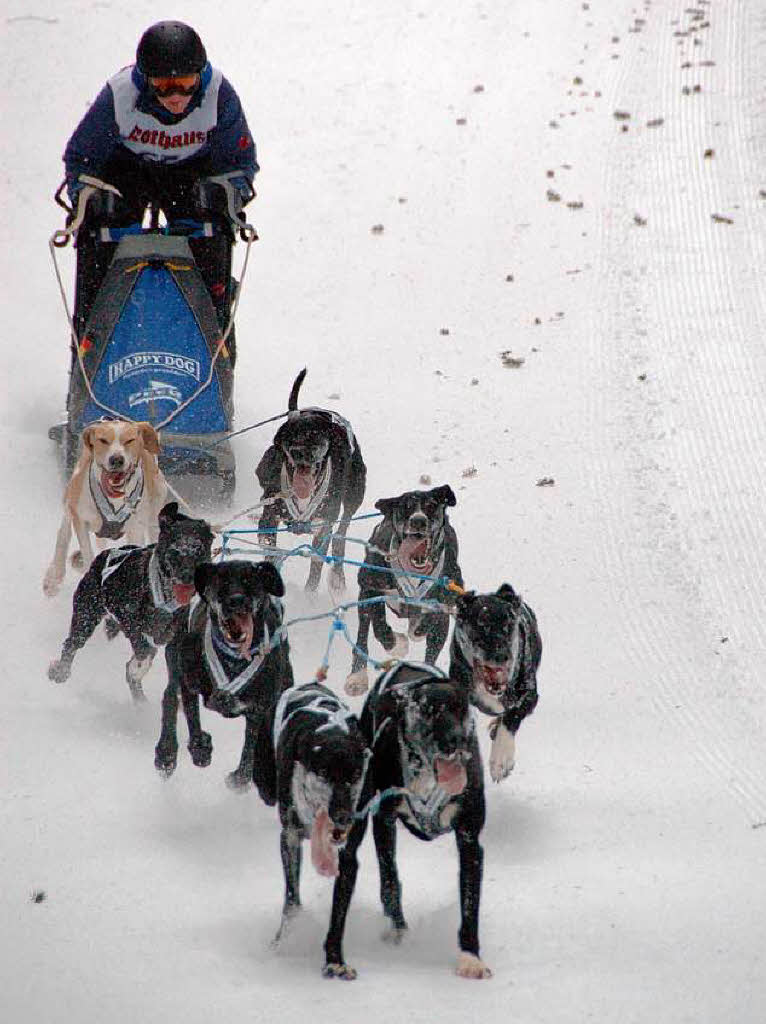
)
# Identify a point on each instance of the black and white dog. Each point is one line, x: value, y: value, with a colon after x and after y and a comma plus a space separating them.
x: 321, y: 758
x: 234, y: 655
x: 313, y: 466
x: 145, y: 592
x: 425, y: 772
x: 414, y: 537
x: 495, y: 653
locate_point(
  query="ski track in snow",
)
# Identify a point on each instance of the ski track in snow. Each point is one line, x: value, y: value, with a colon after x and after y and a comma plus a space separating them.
x: 623, y: 859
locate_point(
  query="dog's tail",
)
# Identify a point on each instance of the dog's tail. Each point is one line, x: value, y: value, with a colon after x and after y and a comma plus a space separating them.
x: 292, y: 402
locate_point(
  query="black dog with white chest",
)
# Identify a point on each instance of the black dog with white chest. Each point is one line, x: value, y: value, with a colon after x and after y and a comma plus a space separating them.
x: 145, y: 592
x: 313, y: 467
x: 410, y: 554
x: 321, y: 758
x: 426, y: 772
x: 495, y: 653
x: 234, y: 654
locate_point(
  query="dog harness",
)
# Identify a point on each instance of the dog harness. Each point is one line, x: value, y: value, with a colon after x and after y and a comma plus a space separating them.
x: 113, y: 519
x: 320, y: 702
x: 114, y: 560
x: 161, y: 588
x: 212, y: 644
x: 424, y: 798
x: 296, y: 509
x: 407, y: 588
x: 310, y: 792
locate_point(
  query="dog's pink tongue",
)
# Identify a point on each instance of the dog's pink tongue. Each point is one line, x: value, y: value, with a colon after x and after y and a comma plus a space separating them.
x: 183, y: 592
x: 303, y: 483
x: 412, y: 548
x: 247, y: 640
x: 324, y: 856
x: 451, y: 775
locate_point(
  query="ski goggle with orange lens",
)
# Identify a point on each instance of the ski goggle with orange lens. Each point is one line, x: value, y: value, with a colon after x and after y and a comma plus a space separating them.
x: 179, y: 85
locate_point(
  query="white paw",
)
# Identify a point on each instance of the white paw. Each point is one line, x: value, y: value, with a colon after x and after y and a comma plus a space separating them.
x: 52, y: 582
x: 357, y: 683
x: 470, y: 966
x: 502, y: 755
x: 400, y: 648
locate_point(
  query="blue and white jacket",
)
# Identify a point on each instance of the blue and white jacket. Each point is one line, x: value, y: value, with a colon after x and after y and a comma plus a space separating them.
x: 126, y: 115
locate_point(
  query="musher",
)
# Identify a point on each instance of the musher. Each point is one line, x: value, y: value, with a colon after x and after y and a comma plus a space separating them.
x: 156, y: 130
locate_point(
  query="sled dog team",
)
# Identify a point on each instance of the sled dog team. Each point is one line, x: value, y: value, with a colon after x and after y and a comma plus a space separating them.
x: 412, y: 755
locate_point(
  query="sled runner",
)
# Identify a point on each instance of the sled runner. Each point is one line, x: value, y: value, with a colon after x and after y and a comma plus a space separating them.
x: 149, y: 341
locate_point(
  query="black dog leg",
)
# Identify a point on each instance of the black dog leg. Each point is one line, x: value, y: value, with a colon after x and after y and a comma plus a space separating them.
x: 384, y: 833
x: 471, y: 858
x: 200, y: 742
x: 356, y: 680
x: 436, y: 636
x: 290, y: 849
x: 335, y: 966
x: 139, y: 664
x: 166, y: 751
x: 88, y: 609
x: 321, y: 543
x: 337, y: 575
x: 242, y: 775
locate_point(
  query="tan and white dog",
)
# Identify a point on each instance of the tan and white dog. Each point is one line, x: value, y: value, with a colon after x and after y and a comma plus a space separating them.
x: 115, y: 493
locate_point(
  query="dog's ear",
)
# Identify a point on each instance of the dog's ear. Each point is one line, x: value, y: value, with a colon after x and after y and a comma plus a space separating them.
x: 464, y: 602
x: 265, y: 577
x: 386, y: 506
x: 168, y: 513
x: 203, y: 576
x: 506, y: 593
x: 150, y: 437
x: 445, y: 494
x: 87, y: 436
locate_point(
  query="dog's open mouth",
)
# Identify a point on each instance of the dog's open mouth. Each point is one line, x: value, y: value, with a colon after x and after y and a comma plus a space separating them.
x: 415, y: 553
x: 491, y: 676
x: 237, y: 631
x: 450, y: 773
x: 113, y: 482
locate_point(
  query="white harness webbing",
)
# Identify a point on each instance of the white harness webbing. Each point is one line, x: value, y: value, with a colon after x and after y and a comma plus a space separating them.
x: 162, y: 595
x: 295, y: 507
x: 408, y: 588
x: 110, y: 514
x: 333, y: 717
x: 114, y: 560
x: 218, y: 672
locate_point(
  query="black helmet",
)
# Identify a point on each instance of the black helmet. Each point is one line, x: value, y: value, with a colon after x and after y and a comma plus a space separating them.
x: 170, y: 48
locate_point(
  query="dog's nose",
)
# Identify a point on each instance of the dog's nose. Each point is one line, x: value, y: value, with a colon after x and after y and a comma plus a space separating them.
x: 116, y: 461
x: 418, y: 522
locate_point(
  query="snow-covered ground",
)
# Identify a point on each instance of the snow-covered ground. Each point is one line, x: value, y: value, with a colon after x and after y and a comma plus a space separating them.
x: 624, y: 876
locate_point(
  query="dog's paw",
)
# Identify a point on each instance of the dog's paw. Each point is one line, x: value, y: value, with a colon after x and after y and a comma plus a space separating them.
x: 357, y: 683
x: 336, y: 582
x: 165, y: 760
x: 112, y: 627
x: 52, y: 582
x: 400, y: 647
x: 394, y: 934
x: 59, y: 671
x: 201, y: 749
x: 502, y: 754
x: 285, y: 925
x: 470, y: 966
x: 239, y: 780
x: 342, y: 971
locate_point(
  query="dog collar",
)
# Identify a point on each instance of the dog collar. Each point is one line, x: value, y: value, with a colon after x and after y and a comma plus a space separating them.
x: 113, y: 519
x: 294, y: 510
